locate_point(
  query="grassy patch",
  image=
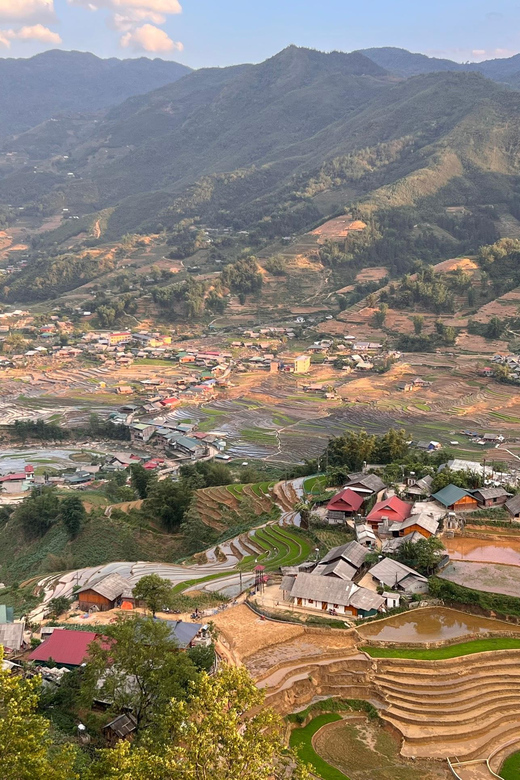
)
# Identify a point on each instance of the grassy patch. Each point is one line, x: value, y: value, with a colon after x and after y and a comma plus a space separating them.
x: 301, y: 741
x: 152, y: 362
x: 510, y: 769
x: 452, y: 651
x: 258, y: 435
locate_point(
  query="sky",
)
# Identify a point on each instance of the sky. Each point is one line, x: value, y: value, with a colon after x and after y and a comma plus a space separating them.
x: 202, y: 33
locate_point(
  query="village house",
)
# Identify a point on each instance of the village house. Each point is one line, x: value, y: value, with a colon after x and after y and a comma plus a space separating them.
x: 193, y: 448
x: 64, y: 647
x: 121, y: 727
x: 12, y: 635
x: 428, y: 446
x: 344, y: 504
x: 365, y: 535
x: 123, y: 459
x: 297, y: 365
x: 422, y: 523
x: 106, y: 593
x: 19, y: 481
x: 393, y: 509
x: 392, y: 574
x: 141, y: 431
x: 325, y: 594
x: 491, y: 496
x: 418, y: 488
x: 405, y: 386
x: 455, y: 499
x: 187, y: 635
x: 351, y: 553
x: 513, y: 506
x: 366, y: 485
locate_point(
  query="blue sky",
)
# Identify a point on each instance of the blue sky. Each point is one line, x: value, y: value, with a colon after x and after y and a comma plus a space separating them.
x: 223, y: 32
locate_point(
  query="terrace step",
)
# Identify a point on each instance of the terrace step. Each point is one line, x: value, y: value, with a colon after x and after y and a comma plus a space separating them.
x: 458, y: 717
x: 459, y: 700
x: 468, y: 746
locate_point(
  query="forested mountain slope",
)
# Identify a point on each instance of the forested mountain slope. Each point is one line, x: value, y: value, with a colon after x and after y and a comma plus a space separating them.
x: 36, y: 89
x: 244, y: 144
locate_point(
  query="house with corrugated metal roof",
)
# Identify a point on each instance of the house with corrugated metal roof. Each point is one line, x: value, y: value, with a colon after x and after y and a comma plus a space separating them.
x: 325, y: 594
x: 455, y: 498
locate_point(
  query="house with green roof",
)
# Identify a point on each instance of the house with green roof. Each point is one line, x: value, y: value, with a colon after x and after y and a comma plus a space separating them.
x: 456, y: 499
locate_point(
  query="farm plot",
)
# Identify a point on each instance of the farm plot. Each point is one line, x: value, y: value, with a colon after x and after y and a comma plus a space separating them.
x: 281, y: 547
x: 366, y: 751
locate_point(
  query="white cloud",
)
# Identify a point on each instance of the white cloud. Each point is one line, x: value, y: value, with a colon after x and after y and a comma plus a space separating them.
x: 491, y: 54
x: 38, y: 33
x: 149, y: 38
x: 127, y: 21
x: 138, y: 20
x: 35, y: 33
x: 155, y: 6
x: 27, y: 10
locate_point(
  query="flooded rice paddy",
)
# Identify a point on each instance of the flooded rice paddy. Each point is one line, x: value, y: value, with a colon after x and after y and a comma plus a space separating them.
x: 482, y: 551
x: 433, y: 624
x: 58, y: 458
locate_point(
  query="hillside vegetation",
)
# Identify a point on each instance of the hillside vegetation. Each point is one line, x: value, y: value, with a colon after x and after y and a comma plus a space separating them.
x: 40, y: 87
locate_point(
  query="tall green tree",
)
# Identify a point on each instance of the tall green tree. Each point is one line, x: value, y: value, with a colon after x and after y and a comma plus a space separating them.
x: 137, y: 666
x: 38, y: 511
x: 73, y: 514
x: 27, y: 751
x: 221, y: 732
x: 351, y: 449
x: 156, y: 592
x: 141, y: 479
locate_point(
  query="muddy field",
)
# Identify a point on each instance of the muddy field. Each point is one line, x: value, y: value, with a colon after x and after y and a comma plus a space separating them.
x: 366, y: 751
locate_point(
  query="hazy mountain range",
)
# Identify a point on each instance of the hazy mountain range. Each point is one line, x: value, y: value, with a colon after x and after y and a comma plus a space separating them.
x: 33, y: 90
x: 244, y: 142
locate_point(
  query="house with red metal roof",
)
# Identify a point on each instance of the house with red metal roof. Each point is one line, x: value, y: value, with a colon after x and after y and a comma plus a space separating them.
x: 64, y: 647
x: 344, y: 504
x: 393, y: 509
x: 19, y: 481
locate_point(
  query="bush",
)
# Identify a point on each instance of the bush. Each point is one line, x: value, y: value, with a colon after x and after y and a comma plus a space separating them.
x: 495, y: 602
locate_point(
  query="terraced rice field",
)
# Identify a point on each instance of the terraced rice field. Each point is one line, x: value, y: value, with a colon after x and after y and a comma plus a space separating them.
x: 280, y: 547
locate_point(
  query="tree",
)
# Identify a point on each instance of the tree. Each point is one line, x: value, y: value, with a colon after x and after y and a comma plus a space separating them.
x: 418, y: 322
x: 380, y: 315
x: 167, y: 502
x: 138, y: 666
x: 38, y: 511
x: 392, y: 446
x: 140, y: 479
x: 423, y: 556
x: 73, y: 515
x: 221, y: 732
x: 155, y: 591
x: 58, y: 606
x: 26, y: 749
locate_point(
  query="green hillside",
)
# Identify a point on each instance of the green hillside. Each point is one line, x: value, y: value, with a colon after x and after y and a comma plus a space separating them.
x: 231, y: 144
x: 38, y: 88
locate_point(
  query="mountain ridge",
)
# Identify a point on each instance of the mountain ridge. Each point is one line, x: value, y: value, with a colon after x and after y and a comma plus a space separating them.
x: 48, y: 84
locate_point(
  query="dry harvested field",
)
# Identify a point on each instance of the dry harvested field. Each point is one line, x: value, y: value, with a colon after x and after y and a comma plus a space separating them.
x: 246, y: 634
x: 303, y: 647
x: 374, y: 274
x: 337, y: 228
x: 505, y: 306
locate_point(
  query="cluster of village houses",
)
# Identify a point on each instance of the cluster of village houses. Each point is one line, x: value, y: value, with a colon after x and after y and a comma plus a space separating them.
x: 63, y: 649
x: 343, y: 583
x: 260, y: 348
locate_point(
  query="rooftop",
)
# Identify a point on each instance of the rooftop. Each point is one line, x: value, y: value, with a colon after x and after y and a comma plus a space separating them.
x: 64, y: 647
